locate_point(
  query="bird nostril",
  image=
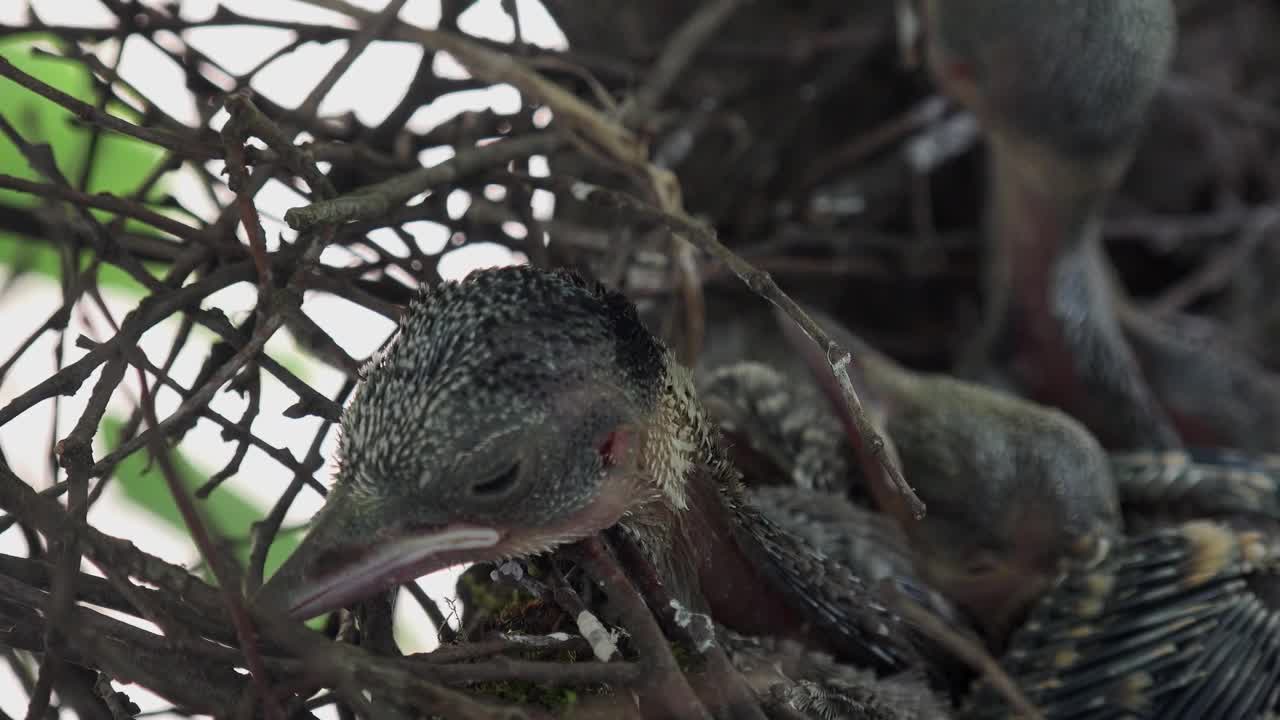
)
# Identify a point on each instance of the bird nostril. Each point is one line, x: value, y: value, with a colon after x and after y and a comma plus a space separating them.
x: 498, y: 485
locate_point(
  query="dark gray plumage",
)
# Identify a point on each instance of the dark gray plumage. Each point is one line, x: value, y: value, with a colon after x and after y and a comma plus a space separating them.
x: 1011, y: 487
x: 1076, y: 75
x: 812, y: 685
x: 787, y: 424
x: 1061, y: 88
x: 1162, y: 626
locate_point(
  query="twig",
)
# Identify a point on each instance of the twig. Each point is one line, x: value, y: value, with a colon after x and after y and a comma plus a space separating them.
x: 186, y: 145
x: 251, y: 121
x: 103, y: 201
x: 117, y: 702
x: 264, y: 531
x: 680, y: 50
x: 377, y: 200
x: 504, y: 643
x: 355, y: 48
x: 1220, y: 269
x: 222, y: 570
x: 735, y: 695
x: 971, y: 653
x: 233, y: 138
x: 572, y: 114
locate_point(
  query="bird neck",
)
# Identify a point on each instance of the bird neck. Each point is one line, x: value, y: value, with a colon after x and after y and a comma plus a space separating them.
x: 718, y: 555
x: 687, y: 528
x: 1052, y: 299
x: 1036, y: 218
x: 680, y: 442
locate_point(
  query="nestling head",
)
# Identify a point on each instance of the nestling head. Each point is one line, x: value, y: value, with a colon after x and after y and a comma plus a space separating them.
x: 505, y: 418
x: 1065, y: 84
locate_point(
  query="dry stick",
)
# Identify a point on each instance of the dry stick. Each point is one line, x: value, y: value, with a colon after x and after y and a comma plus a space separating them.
x: 75, y: 455
x: 684, y: 45
x: 607, y: 137
x: 592, y: 631
x: 104, y: 201
x: 117, y: 592
x: 40, y: 158
x: 229, y: 428
x: 117, y: 702
x: 147, y: 314
x: 503, y: 643
x: 374, y: 201
x: 1218, y: 271
x: 444, y: 633
x: 762, y: 284
x: 355, y: 47
x: 188, y: 146
x: 665, y: 690
x: 736, y: 695
x: 199, y: 399
x: 665, y: 186
x: 310, y: 402
x: 348, y: 669
x: 191, y: 146
x: 197, y: 676
x: 253, y: 122
x: 49, y: 517
x: 543, y: 672
x: 233, y: 138
x: 245, y: 424
x: 264, y: 531
x: 971, y: 653
x: 213, y: 558
x: 872, y: 141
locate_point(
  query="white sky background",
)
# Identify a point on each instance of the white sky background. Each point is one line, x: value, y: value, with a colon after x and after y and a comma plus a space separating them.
x: 370, y: 89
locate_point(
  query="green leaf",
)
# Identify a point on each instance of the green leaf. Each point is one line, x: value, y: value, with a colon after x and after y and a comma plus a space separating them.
x: 41, y: 258
x: 121, y: 163
x: 228, y: 515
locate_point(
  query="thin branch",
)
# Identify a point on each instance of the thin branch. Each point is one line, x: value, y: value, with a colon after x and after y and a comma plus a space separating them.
x: 665, y: 693
x: 104, y: 201
x: 375, y: 201
x: 179, y: 143
x: 223, y: 570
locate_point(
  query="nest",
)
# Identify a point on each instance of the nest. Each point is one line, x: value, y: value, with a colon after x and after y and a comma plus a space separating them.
x: 785, y: 149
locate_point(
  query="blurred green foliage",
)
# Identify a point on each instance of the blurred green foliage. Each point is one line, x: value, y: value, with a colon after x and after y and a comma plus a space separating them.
x: 228, y: 515
x: 120, y: 166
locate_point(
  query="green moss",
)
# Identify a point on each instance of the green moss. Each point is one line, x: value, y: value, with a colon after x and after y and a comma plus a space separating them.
x: 523, y: 692
x: 683, y: 657
x: 483, y: 595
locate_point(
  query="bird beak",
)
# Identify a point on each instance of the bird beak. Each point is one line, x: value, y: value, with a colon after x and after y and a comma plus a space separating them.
x: 341, y: 562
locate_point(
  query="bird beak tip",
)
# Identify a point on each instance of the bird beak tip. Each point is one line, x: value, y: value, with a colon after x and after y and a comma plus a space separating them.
x: 320, y: 577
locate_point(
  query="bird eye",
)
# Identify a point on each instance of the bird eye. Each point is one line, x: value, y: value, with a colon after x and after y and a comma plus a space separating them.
x: 499, y: 485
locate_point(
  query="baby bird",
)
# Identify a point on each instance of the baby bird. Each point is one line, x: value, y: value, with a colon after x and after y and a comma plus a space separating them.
x: 522, y: 409
x: 1061, y: 88
x: 1012, y: 488
x: 1174, y: 621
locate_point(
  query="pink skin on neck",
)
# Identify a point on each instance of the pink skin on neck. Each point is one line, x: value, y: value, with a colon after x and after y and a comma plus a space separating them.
x: 737, y: 593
